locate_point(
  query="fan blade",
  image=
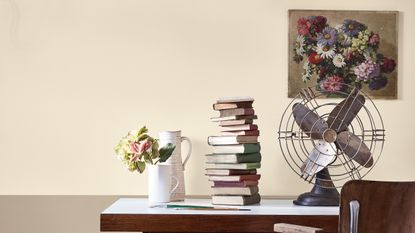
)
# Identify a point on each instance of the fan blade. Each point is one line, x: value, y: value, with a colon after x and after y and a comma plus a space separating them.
x: 344, y: 113
x: 355, y: 148
x: 322, y: 155
x: 309, y: 121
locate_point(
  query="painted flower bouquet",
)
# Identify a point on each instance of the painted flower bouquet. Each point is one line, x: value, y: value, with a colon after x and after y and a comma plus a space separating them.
x: 137, y: 149
x: 344, y: 54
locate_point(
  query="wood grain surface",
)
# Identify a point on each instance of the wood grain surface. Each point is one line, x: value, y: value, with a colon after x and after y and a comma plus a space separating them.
x: 385, y: 207
x: 210, y: 223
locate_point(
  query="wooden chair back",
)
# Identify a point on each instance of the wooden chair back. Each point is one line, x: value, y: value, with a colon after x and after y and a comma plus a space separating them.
x: 384, y: 207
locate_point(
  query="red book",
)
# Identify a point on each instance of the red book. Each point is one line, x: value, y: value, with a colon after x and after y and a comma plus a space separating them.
x: 243, y: 183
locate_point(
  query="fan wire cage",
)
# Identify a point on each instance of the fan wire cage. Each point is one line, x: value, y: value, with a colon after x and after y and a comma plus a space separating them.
x: 296, y: 144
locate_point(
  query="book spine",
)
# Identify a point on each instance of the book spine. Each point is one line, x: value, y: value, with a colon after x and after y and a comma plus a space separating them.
x: 234, y: 183
x: 236, y: 112
x: 239, y: 128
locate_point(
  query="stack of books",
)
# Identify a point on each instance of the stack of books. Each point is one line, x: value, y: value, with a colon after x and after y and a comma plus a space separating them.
x: 232, y: 167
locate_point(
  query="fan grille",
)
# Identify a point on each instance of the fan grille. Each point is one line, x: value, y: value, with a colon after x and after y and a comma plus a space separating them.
x: 296, y: 145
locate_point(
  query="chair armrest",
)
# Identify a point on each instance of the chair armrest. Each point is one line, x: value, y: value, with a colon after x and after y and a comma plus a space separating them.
x: 291, y: 228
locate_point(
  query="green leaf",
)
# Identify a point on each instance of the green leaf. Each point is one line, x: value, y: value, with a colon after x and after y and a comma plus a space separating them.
x: 143, y: 137
x: 132, y: 167
x: 165, y: 152
x: 147, y: 157
x: 141, y: 166
x: 142, y: 130
x: 155, y: 149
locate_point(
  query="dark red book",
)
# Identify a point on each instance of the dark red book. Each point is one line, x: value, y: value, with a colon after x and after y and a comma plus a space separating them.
x: 243, y: 183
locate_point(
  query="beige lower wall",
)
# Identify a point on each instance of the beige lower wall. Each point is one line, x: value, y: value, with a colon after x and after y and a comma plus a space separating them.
x: 76, y: 75
x: 58, y: 214
x: 52, y: 214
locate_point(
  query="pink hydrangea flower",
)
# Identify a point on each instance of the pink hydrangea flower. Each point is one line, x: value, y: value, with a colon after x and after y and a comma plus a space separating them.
x: 134, y: 147
x: 145, y: 146
x: 332, y: 83
x: 141, y: 147
x: 366, y: 70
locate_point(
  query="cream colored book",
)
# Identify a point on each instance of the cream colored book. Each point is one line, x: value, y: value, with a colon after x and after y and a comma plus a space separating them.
x: 231, y: 140
x: 236, y: 200
x: 245, y: 191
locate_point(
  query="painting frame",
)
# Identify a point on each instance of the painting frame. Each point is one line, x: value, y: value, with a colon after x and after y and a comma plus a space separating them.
x: 382, y: 83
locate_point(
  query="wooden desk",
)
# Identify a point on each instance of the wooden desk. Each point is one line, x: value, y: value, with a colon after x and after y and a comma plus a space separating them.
x: 133, y: 214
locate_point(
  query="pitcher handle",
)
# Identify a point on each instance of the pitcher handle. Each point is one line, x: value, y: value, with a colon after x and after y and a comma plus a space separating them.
x: 189, y: 152
x: 177, y: 184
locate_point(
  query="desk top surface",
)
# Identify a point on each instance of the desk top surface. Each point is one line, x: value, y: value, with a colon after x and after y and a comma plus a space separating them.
x: 267, y: 207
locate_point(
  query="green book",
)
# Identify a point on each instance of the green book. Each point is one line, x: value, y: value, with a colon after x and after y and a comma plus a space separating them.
x: 239, y: 148
x: 234, y: 158
x: 244, y: 166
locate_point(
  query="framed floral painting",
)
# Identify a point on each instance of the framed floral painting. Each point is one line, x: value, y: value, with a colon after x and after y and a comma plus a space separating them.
x: 328, y: 49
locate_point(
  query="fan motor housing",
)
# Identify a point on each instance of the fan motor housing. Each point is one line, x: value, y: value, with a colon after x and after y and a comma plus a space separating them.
x: 329, y: 135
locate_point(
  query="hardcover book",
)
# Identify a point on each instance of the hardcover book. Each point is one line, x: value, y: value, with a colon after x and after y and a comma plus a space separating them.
x: 243, y: 183
x: 236, y: 112
x: 236, y: 200
x: 229, y: 118
x: 234, y: 158
x: 241, y: 148
x: 239, y: 127
x: 235, y: 165
x: 229, y: 172
x: 242, y: 132
x: 242, y: 104
x: 250, y: 190
x: 231, y: 139
x: 236, y: 122
x: 235, y: 99
x: 255, y: 177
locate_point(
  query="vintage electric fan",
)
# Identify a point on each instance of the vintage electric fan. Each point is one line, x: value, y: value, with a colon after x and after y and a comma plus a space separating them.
x: 344, y: 135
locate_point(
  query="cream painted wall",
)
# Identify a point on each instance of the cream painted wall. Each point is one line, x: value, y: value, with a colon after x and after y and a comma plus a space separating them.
x: 76, y: 75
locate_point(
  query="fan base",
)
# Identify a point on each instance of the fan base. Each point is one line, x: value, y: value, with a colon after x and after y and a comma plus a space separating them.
x: 324, y: 193
x: 328, y: 198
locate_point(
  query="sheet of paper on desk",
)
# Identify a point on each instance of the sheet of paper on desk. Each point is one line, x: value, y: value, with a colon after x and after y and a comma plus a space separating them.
x: 197, y: 207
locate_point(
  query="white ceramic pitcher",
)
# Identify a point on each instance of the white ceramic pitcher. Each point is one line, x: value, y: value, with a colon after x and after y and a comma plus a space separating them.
x: 175, y: 137
x: 160, y: 185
